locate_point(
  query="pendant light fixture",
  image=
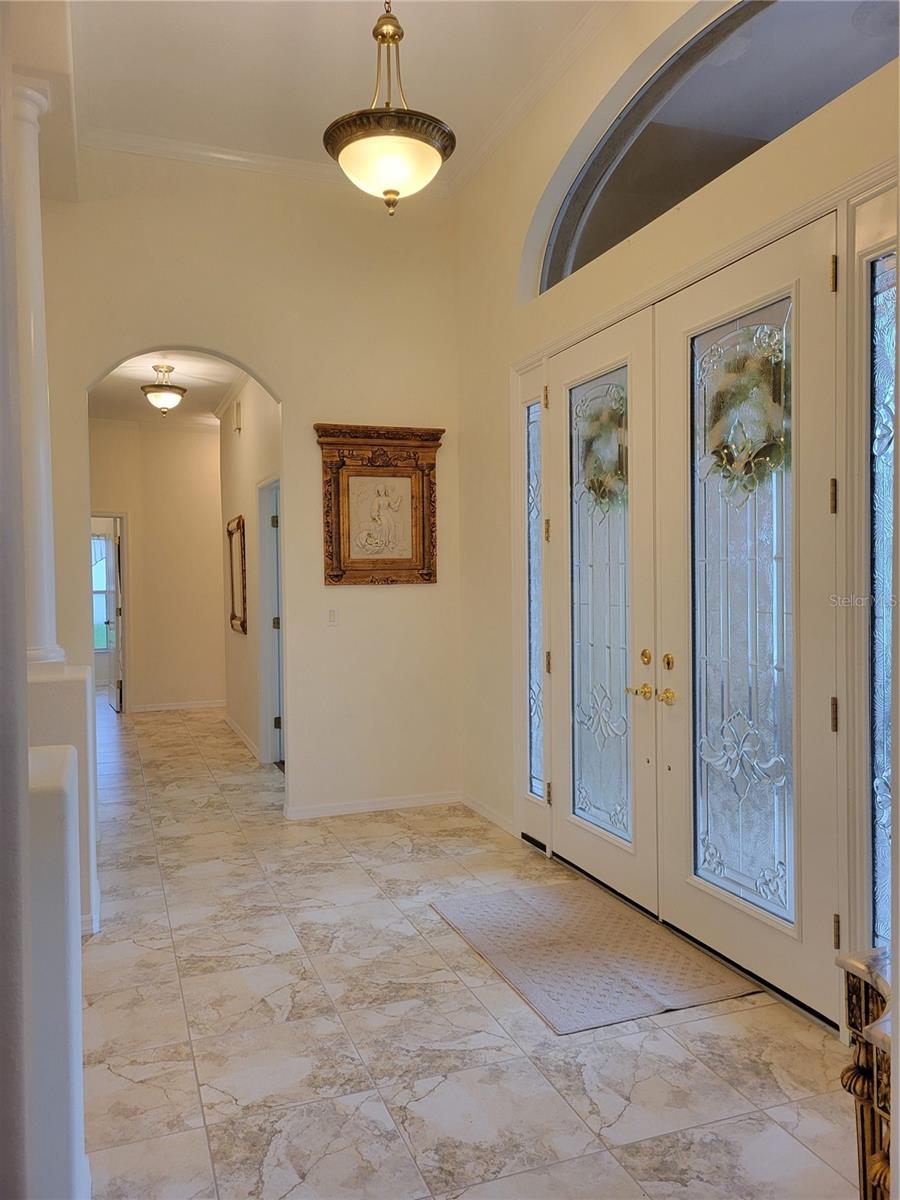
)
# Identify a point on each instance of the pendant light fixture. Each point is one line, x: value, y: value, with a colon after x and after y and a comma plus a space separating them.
x: 163, y: 394
x: 387, y: 151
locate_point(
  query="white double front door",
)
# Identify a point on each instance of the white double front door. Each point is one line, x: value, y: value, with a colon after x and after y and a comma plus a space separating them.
x: 689, y: 456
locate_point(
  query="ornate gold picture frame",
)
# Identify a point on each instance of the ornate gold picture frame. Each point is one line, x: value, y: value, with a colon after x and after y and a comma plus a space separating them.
x: 237, y: 573
x: 379, y: 503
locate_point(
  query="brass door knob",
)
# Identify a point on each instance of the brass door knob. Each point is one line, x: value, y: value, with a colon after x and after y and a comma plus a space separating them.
x: 667, y: 696
x: 645, y: 691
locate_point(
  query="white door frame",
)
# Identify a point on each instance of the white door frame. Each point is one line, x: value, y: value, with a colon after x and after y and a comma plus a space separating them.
x: 270, y: 603
x: 872, y: 231
x: 527, y: 377
x: 124, y: 518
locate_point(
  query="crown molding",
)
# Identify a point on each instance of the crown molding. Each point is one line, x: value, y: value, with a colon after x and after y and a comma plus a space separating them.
x: 591, y: 26
x: 567, y: 53
x: 219, y: 156
x: 234, y: 390
x: 201, y: 423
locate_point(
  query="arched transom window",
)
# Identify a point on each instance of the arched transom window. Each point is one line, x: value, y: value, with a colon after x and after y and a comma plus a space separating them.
x: 761, y: 68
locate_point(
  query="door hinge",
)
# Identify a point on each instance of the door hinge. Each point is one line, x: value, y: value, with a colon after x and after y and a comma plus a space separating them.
x: 547, y: 661
x: 276, y: 622
x: 549, y: 794
x: 833, y: 276
x: 834, y: 714
x: 118, y: 612
x: 546, y: 396
x: 547, y: 529
x: 277, y: 722
x: 832, y: 495
x: 274, y: 520
x: 836, y: 930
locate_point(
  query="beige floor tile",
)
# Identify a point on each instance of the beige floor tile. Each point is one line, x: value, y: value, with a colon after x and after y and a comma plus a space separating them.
x: 468, y: 964
x: 424, y: 881
x: 827, y: 1125
x: 531, y: 1032
x: 276, y: 922
x: 141, y: 918
x: 409, y: 1039
x: 259, y: 1069
x: 143, y: 880
x: 368, y: 930
x: 399, y: 847
x: 135, y: 1018
x: 285, y: 988
x: 770, y: 1054
x: 349, y: 826
x: 190, y: 907
x: 176, y: 1167
x: 251, y: 942
x: 717, y: 1009
x: 746, y: 1158
x: 284, y: 861
x: 592, y: 1177
x: 290, y: 833
x: 521, y: 1122
x: 413, y: 972
x: 637, y: 1086
x: 141, y: 1094
x: 323, y: 888
x: 204, y: 846
x: 520, y: 865
x: 343, y: 1149
x: 112, y: 966
x: 237, y: 867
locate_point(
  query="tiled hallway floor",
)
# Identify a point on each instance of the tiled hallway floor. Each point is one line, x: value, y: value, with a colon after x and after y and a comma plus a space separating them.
x: 272, y: 1009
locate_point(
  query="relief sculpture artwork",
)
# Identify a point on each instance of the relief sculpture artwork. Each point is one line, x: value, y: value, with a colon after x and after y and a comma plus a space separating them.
x: 381, y: 516
x: 379, y: 503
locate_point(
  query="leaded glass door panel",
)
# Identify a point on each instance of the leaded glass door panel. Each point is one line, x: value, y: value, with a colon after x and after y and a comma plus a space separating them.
x: 746, y: 566
x: 601, y: 606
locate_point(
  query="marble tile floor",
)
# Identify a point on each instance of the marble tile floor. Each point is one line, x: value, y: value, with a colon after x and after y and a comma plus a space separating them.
x: 273, y: 1009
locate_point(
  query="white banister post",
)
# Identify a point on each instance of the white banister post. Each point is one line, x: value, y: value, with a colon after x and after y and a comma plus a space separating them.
x: 30, y: 104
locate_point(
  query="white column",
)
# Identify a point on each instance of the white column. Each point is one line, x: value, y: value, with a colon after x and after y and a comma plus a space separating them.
x: 37, y: 482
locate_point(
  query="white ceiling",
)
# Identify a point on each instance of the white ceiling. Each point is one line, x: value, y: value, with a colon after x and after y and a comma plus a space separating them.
x: 262, y: 78
x: 118, y: 397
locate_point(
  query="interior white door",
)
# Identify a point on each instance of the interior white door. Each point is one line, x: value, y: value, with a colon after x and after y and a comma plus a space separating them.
x: 746, y: 571
x: 600, y: 505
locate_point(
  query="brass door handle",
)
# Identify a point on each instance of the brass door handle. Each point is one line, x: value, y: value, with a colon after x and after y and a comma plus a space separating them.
x: 645, y: 691
x: 667, y: 697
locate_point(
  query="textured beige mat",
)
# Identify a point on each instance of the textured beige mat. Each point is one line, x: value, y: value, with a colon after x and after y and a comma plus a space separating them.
x: 582, y: 958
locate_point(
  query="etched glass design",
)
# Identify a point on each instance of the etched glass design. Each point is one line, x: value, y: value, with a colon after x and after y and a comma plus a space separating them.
x: 884, y: 346
x: 741, y: 551
x: 601, y: 790
x: 535, y: 602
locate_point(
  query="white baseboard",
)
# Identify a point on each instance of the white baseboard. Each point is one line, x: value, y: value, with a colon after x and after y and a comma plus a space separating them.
x: 504, y: 823
x: 381, y: 805
x: 175, y: 704
x: 248, y: 742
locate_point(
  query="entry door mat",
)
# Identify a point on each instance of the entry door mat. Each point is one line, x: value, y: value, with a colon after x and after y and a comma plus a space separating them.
x: 583, y: 958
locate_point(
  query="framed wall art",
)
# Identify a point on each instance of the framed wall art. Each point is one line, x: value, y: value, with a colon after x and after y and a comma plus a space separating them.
x: 379, y: 503
x: 237, y: 573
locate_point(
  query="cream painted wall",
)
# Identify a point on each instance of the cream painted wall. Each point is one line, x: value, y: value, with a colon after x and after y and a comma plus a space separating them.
x: 494, y: 223
x: 248, y: 458
x: 166, y: 483
x: 342, y: 314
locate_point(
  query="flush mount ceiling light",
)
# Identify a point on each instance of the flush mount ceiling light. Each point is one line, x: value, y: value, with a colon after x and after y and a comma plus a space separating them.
x: 163, y: 394
x: 387, y: 151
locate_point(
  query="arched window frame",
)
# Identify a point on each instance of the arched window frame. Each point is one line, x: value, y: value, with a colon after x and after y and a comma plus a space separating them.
x: 629, y: 124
